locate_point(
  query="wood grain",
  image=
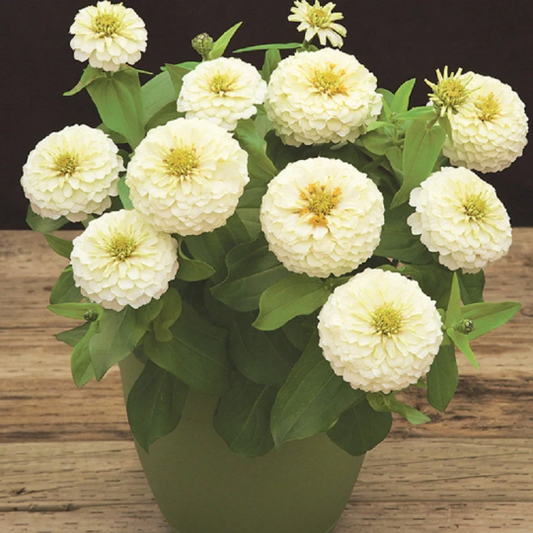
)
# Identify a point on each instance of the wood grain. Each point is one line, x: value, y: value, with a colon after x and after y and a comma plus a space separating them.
x: 67, y: 462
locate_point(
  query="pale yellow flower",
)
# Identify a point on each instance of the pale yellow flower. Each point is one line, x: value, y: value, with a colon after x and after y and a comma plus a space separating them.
x: 318, y: 20
x: 379, y: 331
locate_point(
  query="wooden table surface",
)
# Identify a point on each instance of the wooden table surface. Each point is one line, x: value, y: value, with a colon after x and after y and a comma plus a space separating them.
x: 67, y: 461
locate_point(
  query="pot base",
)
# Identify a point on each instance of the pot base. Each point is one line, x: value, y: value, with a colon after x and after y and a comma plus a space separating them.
x: 203, y: 487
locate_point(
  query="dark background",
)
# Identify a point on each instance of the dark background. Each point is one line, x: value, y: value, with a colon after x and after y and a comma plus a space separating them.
x: 395, y: 39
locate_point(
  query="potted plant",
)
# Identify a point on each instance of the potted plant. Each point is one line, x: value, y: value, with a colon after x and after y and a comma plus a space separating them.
x: 271, y: 257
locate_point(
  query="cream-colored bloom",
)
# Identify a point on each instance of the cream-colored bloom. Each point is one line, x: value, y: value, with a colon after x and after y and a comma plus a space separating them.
x: 321, y: 97
x: 318, y: 20
x: 379, y: 331
x: 72, y: 173
x: 122, y: 260
x: 322, y: 216
x: 487, y: 118
x: 108, y: 35
x: 222, y: 91
x: 459, y: 216
x: 187, y: 176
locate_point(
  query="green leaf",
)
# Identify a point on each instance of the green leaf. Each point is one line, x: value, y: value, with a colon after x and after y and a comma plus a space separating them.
x: 434, y: 279
x: 425, y: 112
x: 156, y: 94
x: 488, y: 316
x: 249, y: 205
x: 295, y: 295
x: 400, y: 102
x: 89, y: 75
x: 311, y: 399
x: 300, y: 329
x: 360, y: 428
x: 168, y: 113
x: 252, y: 268
x: 155, y: 404
x: 196, y: 354
x: 73, y: 336
x: 60, y: 246
x: 388, y: 402
x: 263, y: 357
x: 272, y: 59
x: 376, y: 142
x: 443, y: 377
x: 65, y: 290
x: 177, y: 72
x: 278, y: 46
x: 472, y: 286
x: 43, y: 225
x: 75, y: 310
x: 124, y: 193
x: 220, y: 45
x: 212, y: 247
x: 117, y: 97
x: 81, y: 365
x: 461, y: 341
x: 170, y: 312
x: 192, y: 269
x: 117, y: 335
x: 453, y: 312
x: 242, y: 417
x: 422, y: 148
x: 378, y: 124
x: 259, y: 165
x: 398, y: 242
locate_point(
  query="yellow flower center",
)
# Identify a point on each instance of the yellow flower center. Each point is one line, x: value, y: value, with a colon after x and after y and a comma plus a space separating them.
x: 387, y: 320
x: 488, y: 107
x: 221, y: 83
x: 106, y: 24
x: 318, y: 17
x: 329, y: 81
x: 450, y: 91
x: 66, y: 163
x: 181, y: 162
x: 320, y: 203
x: 121, y: 247
x: 475, y: 207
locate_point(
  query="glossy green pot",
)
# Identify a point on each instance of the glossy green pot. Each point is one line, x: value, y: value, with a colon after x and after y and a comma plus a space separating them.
x: 203, y: 487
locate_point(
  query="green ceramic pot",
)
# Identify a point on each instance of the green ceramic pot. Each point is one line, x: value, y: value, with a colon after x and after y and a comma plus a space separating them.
x: 203, y: 487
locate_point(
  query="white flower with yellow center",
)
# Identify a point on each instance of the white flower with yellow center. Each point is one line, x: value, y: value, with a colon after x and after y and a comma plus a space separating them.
x: 72, y: 173
x: 318, y: 20
x: 122, y: 260
x: 379, y: 331
x: 108, y: 35
x: 488, y: 121
x: 187, y: 176
x: 321, y: 97
x: 222, y: 91
x: 459, y: 216
x: 322, y: 216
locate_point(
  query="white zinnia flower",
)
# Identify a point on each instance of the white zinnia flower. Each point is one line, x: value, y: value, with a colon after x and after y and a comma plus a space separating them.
x: 108, y: 35
x: 187, y: 176
x: 322, y: 216
x: 122, y: 260
x: 223, y: 91
x: 379, y: 331
x: 459, y: 216
x: 321, y: 97
x: 489, y: 124
x: 72, y: 173
x: 318, y: 20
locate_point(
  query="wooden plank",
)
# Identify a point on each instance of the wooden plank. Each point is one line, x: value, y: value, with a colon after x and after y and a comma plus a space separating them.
x: 40, y: 476
x: 362, y: 517
x: 53, y: 409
